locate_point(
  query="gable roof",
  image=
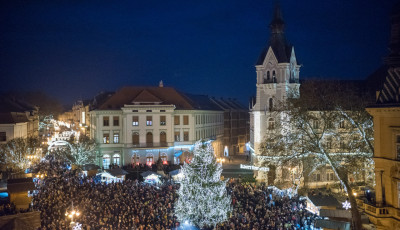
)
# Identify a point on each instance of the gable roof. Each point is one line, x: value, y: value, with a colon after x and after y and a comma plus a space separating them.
x: 146, y: 96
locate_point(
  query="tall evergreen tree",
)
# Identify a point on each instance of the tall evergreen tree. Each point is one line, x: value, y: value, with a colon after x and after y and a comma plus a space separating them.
x: 203, y: 200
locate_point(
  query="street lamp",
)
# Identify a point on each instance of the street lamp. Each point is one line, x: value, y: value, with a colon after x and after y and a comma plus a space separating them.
x: 71, y: 215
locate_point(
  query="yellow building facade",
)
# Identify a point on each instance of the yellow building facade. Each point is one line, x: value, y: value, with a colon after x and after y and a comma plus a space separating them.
x: 385, y: 211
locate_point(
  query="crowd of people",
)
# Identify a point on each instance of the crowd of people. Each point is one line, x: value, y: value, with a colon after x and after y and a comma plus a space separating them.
x: 135, y: 205
x: 260, y: 207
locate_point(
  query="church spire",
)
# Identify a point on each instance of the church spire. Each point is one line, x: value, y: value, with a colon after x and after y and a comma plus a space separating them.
x: 277, y: 24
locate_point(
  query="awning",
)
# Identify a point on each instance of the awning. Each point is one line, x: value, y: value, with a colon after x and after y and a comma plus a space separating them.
x: 148, y: 173
x: 177, y: 154
x: 332, y: 224
x: 174, y: 172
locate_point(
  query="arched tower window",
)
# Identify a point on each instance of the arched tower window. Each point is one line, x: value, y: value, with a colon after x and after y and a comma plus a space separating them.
x: 271, y: 123
x: 274, y: 76
x: 271, y: 104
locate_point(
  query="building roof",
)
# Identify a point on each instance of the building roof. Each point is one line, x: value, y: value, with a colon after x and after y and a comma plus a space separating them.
x: 229, y: 104
x: 21, y: 221
x: 13, y: 118
x: 117, y: 172
x: 20, y: 185
x: 13, y: 111
x: 131, y: 95
x: 10, y: 104
x: 390, y: 92
x: 324, y: 200
x: 388, y: 76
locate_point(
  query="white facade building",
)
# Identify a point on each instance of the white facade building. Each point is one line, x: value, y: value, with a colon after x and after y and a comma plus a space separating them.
x: 143, y: 124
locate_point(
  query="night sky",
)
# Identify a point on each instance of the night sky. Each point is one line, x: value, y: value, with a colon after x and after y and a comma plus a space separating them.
x: 74, y: 49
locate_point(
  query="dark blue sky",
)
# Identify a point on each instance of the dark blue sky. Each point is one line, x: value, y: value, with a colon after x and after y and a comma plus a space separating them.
x: 73, y: 49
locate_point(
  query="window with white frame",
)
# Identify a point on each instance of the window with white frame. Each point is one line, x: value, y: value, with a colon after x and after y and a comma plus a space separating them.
x: 135, y: 121
x: 106, y: 138
x: 135, y: 159
x: 116, y: 138
x: 163, y: 120
x: 116, y: 159
x: 149, y: 120
x: 106, y: 161
x: 149, y: 159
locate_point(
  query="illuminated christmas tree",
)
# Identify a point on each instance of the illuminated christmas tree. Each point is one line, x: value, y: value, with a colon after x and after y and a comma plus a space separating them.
x: 203, y: 200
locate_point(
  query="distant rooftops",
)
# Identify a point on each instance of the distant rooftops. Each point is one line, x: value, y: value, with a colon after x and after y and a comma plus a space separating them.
x: 14, y: 111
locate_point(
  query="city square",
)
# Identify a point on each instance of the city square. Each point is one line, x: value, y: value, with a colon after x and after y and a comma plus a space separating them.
x: 149, y: 115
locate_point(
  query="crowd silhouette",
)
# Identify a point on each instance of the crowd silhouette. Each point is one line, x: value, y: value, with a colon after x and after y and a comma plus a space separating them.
x: 136, y: 205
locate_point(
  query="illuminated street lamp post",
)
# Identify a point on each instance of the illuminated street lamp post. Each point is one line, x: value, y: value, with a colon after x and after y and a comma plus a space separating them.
x: 72, y: 214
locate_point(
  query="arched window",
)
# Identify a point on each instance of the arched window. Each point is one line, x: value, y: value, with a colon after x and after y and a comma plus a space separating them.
x: 135, y: 138
x: 106, y: 161
x: 163, y: 138
x: 164, y: 158
x: 149, y: 139
x: 268, y: 76
x: 271, y: 123
x: 273, y: 76
x: 271, y: 104
x: 135, y: 159
x: 149, y: 159
x: 116, y: 159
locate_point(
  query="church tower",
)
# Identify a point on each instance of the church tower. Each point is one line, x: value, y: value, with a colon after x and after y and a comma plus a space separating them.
x: 277, y: 79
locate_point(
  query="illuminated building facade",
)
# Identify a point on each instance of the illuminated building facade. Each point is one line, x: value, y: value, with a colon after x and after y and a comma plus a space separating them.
x: 277, y: 79
x: 385, y: 213
x: 143, y: 124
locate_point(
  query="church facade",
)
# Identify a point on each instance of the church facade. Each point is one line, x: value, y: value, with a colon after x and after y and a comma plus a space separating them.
x: 277, y: 79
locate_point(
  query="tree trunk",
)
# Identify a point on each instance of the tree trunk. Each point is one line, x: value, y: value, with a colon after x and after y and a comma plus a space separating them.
x: 355, y: 214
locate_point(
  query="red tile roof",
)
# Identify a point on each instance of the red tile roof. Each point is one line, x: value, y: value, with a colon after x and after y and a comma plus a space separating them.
x: 160, y: 95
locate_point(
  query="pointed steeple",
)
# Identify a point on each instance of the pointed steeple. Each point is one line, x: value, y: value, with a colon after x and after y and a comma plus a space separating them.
x: 277, y: 24
x: 280, y: 46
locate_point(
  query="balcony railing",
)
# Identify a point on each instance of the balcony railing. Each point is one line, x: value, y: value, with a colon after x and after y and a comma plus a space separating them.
x: 381, y: 212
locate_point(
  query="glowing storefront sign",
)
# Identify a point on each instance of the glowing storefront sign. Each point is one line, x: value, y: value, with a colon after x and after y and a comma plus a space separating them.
x: 252, y: 167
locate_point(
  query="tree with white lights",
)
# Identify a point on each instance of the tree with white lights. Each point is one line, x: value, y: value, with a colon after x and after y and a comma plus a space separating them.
x: 326, y: 126
x: 17, y: 154
x: 80, y: 153
x: 203, y: 200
